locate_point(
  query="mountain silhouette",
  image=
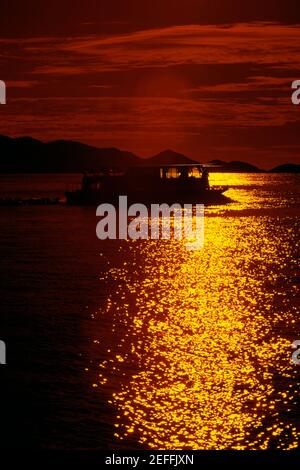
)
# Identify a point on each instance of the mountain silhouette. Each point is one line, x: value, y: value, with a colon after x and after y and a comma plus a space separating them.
x: 169, y: 157
x: 217, y: 162
x: 286, y: 168
x: 29, y: 155
x: 234, y: 167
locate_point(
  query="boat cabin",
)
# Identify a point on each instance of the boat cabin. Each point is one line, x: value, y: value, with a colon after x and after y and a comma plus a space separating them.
x: 148, y: 176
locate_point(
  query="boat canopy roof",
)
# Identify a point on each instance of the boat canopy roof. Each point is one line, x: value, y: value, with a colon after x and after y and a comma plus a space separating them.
x: 143, y: 170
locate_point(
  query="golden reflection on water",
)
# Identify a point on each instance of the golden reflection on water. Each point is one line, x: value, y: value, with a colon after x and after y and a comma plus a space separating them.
x: 253, y: 191
x: 200, y: 351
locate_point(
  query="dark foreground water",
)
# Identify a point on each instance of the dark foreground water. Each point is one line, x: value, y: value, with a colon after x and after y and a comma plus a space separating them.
x: 122, y: 344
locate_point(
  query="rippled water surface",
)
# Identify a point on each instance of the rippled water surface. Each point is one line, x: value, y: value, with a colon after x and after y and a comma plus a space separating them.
x: 126, y: 344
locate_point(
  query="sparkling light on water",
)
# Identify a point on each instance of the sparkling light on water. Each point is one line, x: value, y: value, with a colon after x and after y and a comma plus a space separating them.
x: 202, y: 353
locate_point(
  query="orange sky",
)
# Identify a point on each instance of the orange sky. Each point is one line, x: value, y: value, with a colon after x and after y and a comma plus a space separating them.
x: 209, y: 79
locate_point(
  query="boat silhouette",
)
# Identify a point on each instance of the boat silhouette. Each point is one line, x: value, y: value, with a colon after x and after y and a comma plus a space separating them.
x: 181, y: 183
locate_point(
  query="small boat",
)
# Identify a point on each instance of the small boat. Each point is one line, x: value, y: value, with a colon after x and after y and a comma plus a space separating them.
x: 183, y: 184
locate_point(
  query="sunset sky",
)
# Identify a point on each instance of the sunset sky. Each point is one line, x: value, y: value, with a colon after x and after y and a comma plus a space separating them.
x: 211, y: 79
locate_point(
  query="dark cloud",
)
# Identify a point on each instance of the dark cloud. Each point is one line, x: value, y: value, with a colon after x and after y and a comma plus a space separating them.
x: 209, y: 79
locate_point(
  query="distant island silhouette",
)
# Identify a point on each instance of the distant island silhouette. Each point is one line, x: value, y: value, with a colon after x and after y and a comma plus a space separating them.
x: 29, y: 155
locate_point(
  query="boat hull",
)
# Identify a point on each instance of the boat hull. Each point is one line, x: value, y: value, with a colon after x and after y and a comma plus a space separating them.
x: 207, y: 197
